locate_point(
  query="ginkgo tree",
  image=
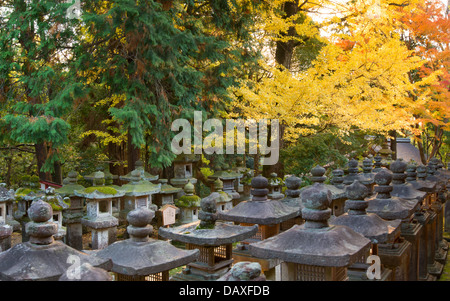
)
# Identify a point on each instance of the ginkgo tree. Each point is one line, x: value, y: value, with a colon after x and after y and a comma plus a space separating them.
x: 358, y: 82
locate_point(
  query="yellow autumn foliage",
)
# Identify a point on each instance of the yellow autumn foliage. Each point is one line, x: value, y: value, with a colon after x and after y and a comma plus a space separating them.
x: 359, y: 81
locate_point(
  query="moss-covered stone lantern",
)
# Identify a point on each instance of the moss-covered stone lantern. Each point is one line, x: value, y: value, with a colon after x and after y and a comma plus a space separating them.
x: 189, y: 204
x: 99, y: 216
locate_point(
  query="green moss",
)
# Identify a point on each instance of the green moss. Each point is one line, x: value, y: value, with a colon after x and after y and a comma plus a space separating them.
x: 101, y: 189
x: 55, y: 206
x: 207, y: 226
x: 225, y: 196
x: 188, y: 201
x: 166, y: 188
x: 142, y: 186
x: 68, y: 190
x: 23, y: 191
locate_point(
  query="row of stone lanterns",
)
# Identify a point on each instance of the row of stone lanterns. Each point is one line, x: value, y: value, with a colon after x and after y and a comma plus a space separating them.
x: 329, y: 230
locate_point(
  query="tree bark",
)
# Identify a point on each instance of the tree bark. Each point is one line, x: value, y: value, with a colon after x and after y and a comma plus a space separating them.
x: 41, y: 157
x: 8, y: 170
x: 115, y: 154
x: 421, y: 151
x: 285, y: 50
x: 132, y: 154
x: 57, y: 173
x: 283, y: 56
x: 394, y: 145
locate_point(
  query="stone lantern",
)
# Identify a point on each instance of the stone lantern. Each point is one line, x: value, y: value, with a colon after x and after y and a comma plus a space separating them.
x: 421, y: 184
x: 141, y: 258
x: 165, y: 201
x: 395, y: 256
x: 106, y: 174
x: 369, y: 225
x: 72, y: 215
x: 385, y: 152
x: 108, y: 181
x: 213, y: 240
x: 275, y: 185
x: 58, y: 206
x: 438, y: 207
x: 377, y: 163
x: 6, y: 198
x: 167, y: 194
x: 228, y: 179
x: 7, y: 203
x: 99, y: 216
x: 117, y: 203
x: 435, y: 267
x: 25, y: 195
x: 353, y: 172
x: 241, y: 170
x: 138, y: 193
x: 412, y: 229
x: 429, y: 269
x: 183, y: 169
x: 267, y: 214
x: 338, y: 195
x: 189, y: 204
x: 314, y: 251
x: 145, y: 176
x: 224, y: 203
x: 367, y: 176
x: 401, y: 188
x: 5, y: 229
x: 43, y: 257
x: 292, y: 199
x: 245, y: 181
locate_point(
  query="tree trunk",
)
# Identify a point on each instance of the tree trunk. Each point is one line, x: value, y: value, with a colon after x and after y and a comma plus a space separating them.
x: 283, y: 56
x: 41, y: 157
x: 8, y: 169
x: 57, y: 173
x: 115, y: 154
x: 421, y: 151
x: 285, y: 50
x: 132, y: 154
x: 437, y: 142
x: 277, y: 168
x: 394, y: 145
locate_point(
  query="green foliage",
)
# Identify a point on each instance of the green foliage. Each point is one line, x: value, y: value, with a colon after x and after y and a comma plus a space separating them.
x: 35, y: 89
x: 321, y: 149
x: 168, y: 59
x: 15, y: 163
x: 169, y: 63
